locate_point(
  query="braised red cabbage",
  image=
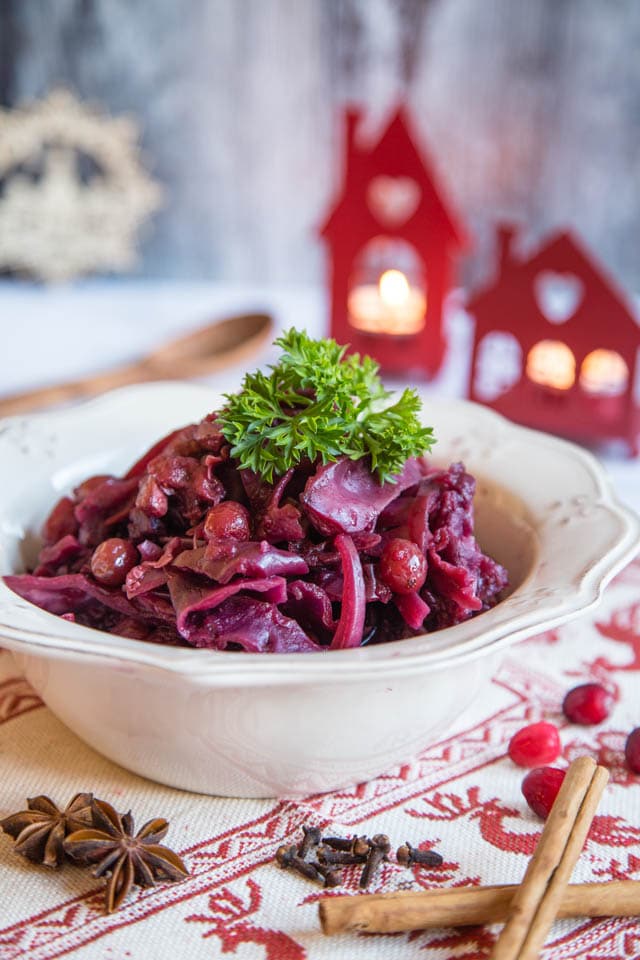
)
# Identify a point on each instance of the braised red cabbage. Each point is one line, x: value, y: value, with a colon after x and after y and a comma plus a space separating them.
x: 309, y: 577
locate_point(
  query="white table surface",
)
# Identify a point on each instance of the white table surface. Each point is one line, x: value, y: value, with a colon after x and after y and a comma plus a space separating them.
x: 51, y: 334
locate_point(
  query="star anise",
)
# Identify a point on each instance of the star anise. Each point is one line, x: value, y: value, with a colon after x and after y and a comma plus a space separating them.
x: 124, y: 857
x: 39, y: 831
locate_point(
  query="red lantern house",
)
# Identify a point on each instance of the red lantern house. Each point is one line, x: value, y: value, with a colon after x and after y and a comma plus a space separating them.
x: 391, y: 241
x: 556, y: 346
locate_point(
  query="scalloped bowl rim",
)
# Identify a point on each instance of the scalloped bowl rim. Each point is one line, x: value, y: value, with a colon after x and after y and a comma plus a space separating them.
x: 31, y: 630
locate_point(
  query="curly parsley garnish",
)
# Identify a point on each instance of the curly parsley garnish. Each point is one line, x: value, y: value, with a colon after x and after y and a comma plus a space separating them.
x: 319, y: 404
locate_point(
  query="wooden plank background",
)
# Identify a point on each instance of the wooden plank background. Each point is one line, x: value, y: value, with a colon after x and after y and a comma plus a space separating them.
x: 531, y: 109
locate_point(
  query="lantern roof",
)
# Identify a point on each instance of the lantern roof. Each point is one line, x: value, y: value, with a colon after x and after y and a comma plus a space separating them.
x: 562, y: 260
x: 396, y: 166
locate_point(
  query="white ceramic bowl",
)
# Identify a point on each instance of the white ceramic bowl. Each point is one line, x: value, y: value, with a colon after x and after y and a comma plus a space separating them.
x: 241, y: 724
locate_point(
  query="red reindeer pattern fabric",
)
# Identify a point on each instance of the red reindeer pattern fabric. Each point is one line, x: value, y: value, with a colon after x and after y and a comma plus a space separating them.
x: 461, y: 797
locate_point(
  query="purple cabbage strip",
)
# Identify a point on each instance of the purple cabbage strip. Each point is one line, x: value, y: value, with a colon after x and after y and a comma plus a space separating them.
x: 351, y: 625
x: 346, y: 497
x: 67, y: 553
x: 310, y: 605
x: 151, y: 574
x: 280, y: 523
x: 190, y: 598
x: 68, y: 593
x: 413, y: 609
x: 252, y: 625
x: 374, y: 587
x: 222, y: 561
x: 423, y: 505
x: 104, y: 497
x: 218, y: 617
x: 457, y: 584
x: 143, y: 578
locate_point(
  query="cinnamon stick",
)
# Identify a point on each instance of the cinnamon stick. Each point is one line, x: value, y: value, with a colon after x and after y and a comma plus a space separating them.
x: 538, y: 898
x: 466, y: 906
x: 547, y: 911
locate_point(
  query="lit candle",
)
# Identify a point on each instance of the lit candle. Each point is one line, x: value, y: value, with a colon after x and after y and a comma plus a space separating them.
x: 551, y: 364
x: 604, y: 373
x: 392, y: 306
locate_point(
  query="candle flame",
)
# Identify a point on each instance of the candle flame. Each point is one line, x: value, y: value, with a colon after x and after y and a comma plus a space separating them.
x: 394, y: 288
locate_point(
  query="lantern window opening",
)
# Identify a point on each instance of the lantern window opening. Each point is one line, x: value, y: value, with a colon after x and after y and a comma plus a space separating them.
x: 604, y: 373
x: 498, y: 365
x: 558, y: 295
x: 387, y: 291
x: 551, y: 364
x: 393, y: 200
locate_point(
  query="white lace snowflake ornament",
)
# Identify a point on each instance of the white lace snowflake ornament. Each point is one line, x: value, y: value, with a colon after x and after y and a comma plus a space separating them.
x: 73, y: 191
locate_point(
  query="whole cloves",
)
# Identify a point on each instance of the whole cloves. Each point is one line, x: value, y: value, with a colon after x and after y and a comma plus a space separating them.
x: 378, y: 851
x: 361, y: 846
x: 338, y: 843
x: 332, y: 877
x: 321, y: 858
x: 356, y: 845
x: 408, y: 856
x: 287, y: 858
x: 342, y: 858
x: 311, y: 839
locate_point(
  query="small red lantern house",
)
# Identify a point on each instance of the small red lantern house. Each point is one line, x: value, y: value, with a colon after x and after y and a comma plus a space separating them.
x: 555, y: 346
x: 391, y: 242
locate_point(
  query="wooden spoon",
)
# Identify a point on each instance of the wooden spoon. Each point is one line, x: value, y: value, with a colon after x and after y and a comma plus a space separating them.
x: 219, y: 344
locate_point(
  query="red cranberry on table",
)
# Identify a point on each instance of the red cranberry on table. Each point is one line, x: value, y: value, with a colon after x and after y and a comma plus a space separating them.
x: 632, y: 750
x: 588, y: 703
x: 537, y: 744
x: 403, y: 566
x: 228, y: 521
x: 111, y: 561
x: 540, y: 788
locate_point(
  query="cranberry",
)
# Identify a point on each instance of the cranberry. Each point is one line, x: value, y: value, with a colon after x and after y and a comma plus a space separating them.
x: 227, y: 521
x: 403, y: 566
x: 534, y: 745
x: 588, y: 703
x: 540, y: 788
x: 632, y: 750
x: 111, y: 561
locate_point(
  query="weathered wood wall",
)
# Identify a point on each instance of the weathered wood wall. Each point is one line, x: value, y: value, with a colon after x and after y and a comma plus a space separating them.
x: 531, y: 109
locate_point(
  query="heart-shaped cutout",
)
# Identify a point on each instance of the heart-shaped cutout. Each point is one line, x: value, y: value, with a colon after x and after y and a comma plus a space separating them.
x: 393, y: 200
x: 558, y: 295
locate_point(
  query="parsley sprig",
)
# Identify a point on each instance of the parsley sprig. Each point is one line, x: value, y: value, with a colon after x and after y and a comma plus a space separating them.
x: 319, y: 404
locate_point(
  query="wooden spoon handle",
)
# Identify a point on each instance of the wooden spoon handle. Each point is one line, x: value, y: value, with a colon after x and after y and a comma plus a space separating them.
x: 25, y: 402
x: 200, y: 352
